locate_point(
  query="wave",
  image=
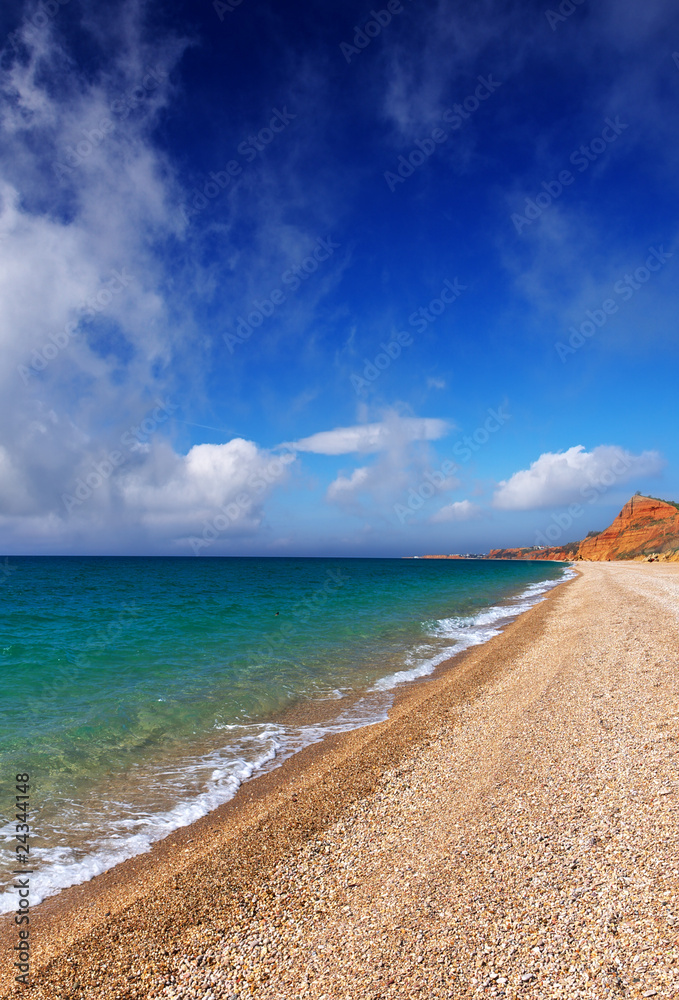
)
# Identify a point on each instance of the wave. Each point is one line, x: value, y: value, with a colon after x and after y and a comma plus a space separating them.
x: 251, y: 749
x: 469, y: 631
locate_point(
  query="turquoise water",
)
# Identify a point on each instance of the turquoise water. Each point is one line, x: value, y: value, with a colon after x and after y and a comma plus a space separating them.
x: 139, y: 693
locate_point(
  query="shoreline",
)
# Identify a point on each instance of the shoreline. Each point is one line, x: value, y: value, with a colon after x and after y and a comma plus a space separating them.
x: 309, y: 720
x: 74, y: 912
x: 189, y: 786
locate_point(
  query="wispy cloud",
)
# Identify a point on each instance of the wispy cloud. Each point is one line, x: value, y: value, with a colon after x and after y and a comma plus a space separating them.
x: 85, y: 194
x: 425, y: 68
x: 402, y: 446
x: 366, y: 438
x: 253, y: 313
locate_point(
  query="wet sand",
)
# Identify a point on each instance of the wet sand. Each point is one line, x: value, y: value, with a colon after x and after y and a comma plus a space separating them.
x: 511, y: 830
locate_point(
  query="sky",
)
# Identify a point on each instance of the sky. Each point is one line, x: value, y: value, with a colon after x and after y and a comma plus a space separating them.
x: 332, y: 278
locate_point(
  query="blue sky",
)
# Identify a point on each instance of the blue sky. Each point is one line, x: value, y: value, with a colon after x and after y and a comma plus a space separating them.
x: 335, y: 278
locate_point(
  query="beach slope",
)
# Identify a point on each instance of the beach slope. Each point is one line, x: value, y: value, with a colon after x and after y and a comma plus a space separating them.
x: 511, y: 831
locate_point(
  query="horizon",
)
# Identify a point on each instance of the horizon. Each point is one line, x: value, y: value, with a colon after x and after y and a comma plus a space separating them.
x: 467, y: 555
x: 375, y: 280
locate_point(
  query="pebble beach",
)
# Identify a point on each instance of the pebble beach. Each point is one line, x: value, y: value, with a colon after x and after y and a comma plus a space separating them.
x: 512, y: 830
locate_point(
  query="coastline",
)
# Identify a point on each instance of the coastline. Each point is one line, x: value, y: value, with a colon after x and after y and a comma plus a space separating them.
x: 200, y: 716
x: 74, y: 912
x: 126, y: 931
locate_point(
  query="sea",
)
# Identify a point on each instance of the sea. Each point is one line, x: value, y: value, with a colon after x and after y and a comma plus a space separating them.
x: 139, y: 693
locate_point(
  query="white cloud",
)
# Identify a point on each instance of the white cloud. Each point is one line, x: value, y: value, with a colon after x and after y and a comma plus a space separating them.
x: 84, y: 352
x: 14, y: 496
x: 345, y: 486
x: 559, y: 478
x: 189, y: 485
x: 462, y: 510
x: 79, y: 202
x: 155, y: 498
x: 366, y: 438
x: 404, y: 460
x: 172, y: 495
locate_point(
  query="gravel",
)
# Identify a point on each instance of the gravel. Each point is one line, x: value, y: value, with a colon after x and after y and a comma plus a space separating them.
x: 526, y: 844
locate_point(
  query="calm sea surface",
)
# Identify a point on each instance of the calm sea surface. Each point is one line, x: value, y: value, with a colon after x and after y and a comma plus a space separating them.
x: 139, y: 693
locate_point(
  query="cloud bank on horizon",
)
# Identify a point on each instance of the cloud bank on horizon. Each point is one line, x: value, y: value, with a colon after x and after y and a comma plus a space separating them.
x: 282, y: 281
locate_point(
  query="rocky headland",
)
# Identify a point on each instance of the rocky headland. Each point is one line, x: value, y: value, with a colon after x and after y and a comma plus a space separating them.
x: 646, y: 529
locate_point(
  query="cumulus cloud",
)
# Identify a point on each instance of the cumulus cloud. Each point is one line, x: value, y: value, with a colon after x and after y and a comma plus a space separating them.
x: 209, y: 475
x: 558, y: 478
x: 224, y: 485
x: 153, y: 497
x: 366, y: 438
x: 462, y: 510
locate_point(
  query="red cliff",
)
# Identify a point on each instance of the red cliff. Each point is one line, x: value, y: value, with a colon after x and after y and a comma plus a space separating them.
x: 645, y: 528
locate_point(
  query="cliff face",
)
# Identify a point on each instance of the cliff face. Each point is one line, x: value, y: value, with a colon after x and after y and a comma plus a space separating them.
x: 560, y: 555
x: 645, y: 528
